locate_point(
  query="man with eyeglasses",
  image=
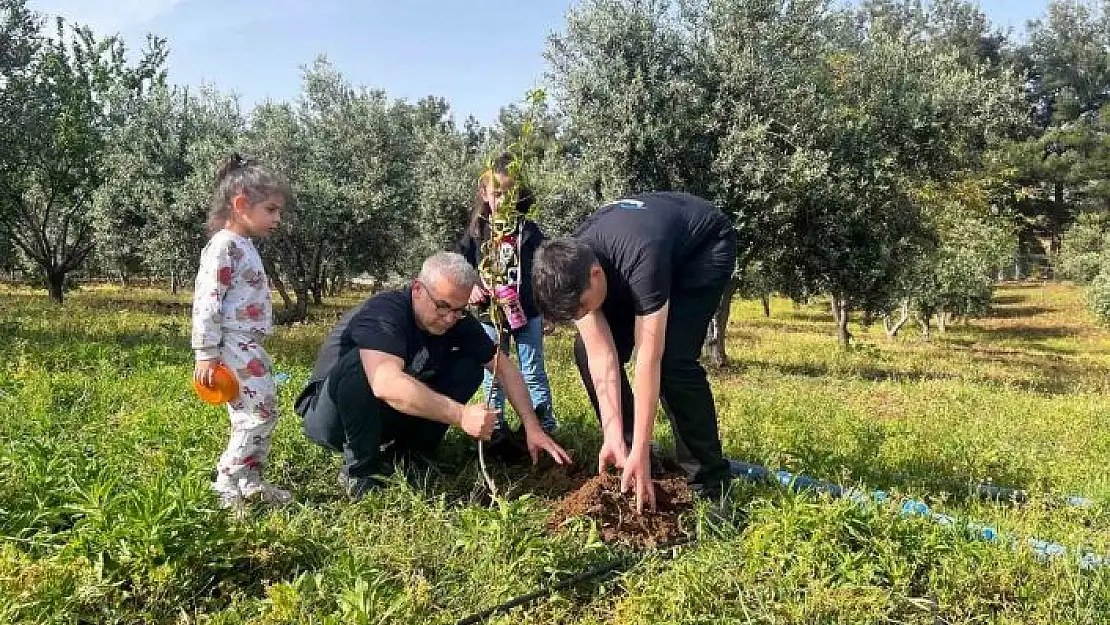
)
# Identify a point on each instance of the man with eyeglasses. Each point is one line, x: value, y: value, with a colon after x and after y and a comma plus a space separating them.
x: 399, y: 369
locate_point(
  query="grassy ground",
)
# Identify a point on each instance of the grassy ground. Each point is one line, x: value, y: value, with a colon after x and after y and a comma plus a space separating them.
x: 105, y: 457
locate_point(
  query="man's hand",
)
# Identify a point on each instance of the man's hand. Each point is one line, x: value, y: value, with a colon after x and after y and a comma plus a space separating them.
x: 637, y: 475
x: 204, y: 371
x: 478, y: 295
x: 538, y: 441
x: 613, y: 454
x: 477, y: 421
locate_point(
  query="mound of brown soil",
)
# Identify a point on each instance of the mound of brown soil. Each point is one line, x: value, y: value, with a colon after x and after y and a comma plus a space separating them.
x: 601, y: 500
x: 549, y: 481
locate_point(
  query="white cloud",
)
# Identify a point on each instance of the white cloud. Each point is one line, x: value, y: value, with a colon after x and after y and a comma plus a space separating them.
x: 106, y: 16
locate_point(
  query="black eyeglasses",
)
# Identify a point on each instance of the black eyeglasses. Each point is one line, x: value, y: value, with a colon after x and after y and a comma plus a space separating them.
x: 442, y: 308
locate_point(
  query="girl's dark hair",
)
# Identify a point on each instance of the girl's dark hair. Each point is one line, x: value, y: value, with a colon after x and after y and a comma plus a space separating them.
x: 247, y: 176
x: 480, y: 212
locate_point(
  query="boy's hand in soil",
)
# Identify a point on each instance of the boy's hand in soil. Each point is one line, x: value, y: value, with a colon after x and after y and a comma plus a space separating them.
x: 637, y: 474
x: 613, y: 454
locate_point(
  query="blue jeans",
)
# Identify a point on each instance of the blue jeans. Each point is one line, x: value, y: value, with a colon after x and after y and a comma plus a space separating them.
x: 529, y: 350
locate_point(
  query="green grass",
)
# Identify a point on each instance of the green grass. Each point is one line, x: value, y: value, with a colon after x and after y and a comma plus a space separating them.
x: 105, y: 457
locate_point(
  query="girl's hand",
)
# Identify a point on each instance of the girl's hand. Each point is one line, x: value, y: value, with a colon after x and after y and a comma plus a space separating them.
x: 478, y: 295
x: 204, y: 371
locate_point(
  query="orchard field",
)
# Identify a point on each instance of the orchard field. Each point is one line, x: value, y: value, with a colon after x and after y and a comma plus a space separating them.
x: 105, y: 458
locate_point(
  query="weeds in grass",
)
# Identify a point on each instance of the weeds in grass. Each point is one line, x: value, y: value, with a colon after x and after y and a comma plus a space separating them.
x: 105, y: 457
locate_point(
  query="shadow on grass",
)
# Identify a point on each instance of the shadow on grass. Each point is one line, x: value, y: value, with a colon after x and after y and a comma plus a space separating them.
x: 873, y: 373
x: 825, y: 329
x: 125, y: 304
x: 1018, y: 312
x: 1048, y: 372
x: 1024, y: 332
x: 76, y: 349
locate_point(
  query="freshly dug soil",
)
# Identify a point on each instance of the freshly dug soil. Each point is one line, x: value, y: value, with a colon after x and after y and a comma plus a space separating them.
x: 550, y: 481
x: 601, y: 500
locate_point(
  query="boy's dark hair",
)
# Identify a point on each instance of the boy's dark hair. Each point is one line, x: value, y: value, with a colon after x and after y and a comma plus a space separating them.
x: 560, y: 275
x: 524, y: 196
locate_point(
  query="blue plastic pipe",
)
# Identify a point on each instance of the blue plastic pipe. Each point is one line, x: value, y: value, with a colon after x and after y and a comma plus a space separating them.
x: 1045, y: 550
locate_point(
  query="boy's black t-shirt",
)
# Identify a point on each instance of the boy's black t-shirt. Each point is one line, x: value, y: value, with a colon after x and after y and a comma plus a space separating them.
x: 651, y: 244
x: 387, y: 323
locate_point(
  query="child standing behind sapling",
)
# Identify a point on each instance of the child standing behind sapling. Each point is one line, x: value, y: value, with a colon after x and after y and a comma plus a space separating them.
x: 517, y: 254
x: 232, y: 313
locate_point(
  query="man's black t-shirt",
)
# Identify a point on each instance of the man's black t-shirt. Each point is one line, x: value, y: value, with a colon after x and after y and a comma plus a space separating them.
x: 654, y: 243
x: 386, y: 323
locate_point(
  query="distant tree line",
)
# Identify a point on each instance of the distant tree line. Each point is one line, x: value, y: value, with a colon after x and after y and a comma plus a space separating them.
x: 893, y: 159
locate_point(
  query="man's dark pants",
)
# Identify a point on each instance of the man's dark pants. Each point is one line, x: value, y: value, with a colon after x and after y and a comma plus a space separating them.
x: 347, y: 417
x: 684, y: 387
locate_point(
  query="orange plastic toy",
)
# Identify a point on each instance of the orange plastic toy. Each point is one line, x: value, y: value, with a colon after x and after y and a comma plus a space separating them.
x: 224, y: 386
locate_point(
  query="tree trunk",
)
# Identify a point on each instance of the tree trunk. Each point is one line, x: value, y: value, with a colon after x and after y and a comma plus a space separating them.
x: 1055, y: 237
x: 279, y: 286
x: 300, y: 312
x: 173, y: 281
x: 892, y: 329
x: 317, y: 274
x: 323, y: 282
x: 335, y: 287
x: 286, y: 301
x: 942, y: 321
x: 765, y: 299
x: 714, y: 346
x: 925, y: 320
x: 842, y: 314
x: 55, y: 284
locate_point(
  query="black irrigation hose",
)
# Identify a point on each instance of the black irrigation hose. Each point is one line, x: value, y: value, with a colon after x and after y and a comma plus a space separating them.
x: 596, y: 572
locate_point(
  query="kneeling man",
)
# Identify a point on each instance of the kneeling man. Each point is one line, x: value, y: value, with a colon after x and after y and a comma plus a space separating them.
x: 399, y: 369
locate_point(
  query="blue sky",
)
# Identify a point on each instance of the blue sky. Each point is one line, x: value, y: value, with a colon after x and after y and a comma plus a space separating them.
x: 479, y: 54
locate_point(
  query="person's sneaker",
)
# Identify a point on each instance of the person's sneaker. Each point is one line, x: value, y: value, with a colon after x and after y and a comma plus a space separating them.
x: 230, y: 500
x: 267, y: 493
x: 718, y: 500
x: 356, y: 487
x: 228, y: 495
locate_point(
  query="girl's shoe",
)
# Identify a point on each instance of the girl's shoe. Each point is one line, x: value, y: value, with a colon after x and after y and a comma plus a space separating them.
x: 266, y: 493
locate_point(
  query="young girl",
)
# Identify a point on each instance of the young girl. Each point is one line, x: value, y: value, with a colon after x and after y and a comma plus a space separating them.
x: 529, y: 338
x: 231, y: 314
